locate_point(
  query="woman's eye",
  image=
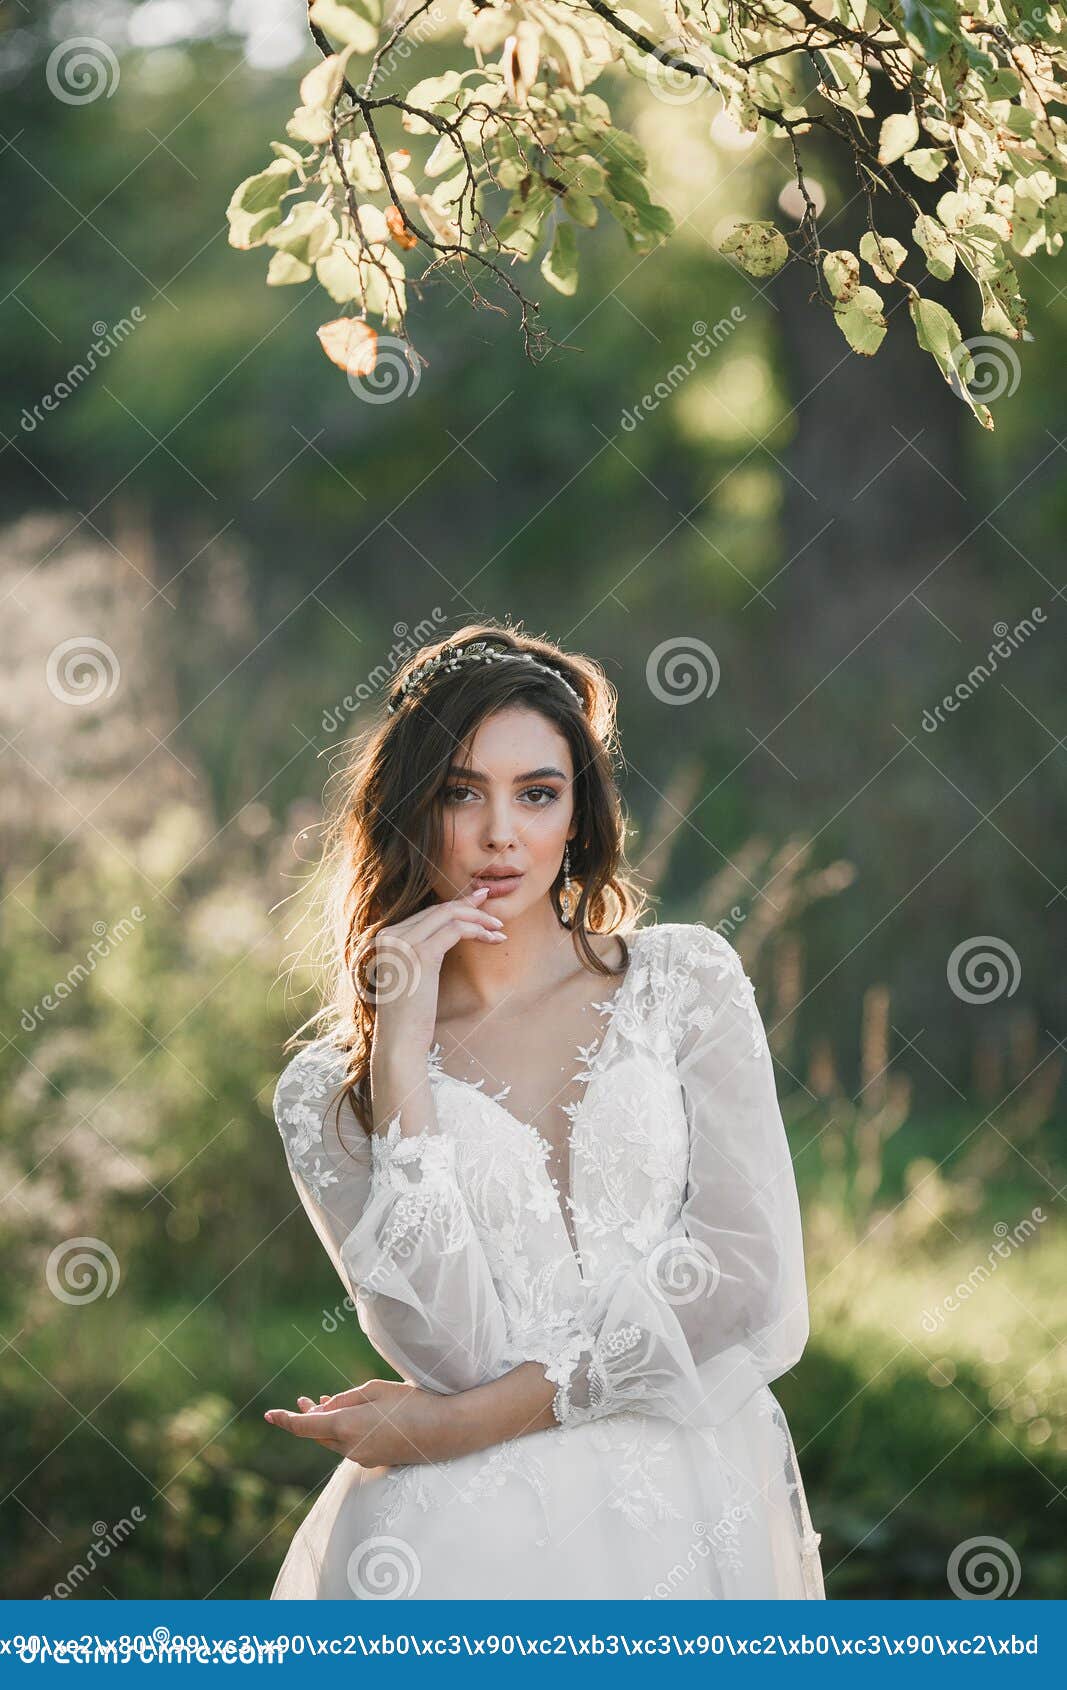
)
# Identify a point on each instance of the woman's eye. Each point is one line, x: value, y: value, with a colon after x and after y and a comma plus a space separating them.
x: 541, y: 795
x: 458, y: 794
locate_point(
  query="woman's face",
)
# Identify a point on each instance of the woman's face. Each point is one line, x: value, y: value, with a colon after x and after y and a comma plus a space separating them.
x: 508, y: 812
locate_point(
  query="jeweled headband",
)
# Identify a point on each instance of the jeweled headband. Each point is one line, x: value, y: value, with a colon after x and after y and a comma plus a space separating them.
x: 451, y: 658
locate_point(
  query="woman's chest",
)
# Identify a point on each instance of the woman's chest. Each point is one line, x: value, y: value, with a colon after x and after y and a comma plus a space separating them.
x: 574, y: 1208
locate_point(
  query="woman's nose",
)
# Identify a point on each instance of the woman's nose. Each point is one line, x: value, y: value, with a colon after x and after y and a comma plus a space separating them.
x: 499, y: 828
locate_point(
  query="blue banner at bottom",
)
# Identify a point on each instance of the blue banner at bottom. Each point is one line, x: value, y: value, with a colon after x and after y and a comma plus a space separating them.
x: 431, y: 1643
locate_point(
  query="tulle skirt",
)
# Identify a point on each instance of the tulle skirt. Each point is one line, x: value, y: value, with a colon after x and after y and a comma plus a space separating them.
x: 626, y: 1507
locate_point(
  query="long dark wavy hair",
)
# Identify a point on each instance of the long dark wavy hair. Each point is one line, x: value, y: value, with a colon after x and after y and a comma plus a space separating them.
x: 383, y: 829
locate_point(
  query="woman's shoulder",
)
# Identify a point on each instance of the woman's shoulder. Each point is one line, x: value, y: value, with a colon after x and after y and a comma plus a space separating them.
x: 685, y: 945
x: 308, y: 1079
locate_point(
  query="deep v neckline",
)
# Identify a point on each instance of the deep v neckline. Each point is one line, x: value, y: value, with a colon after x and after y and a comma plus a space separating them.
x: 591, y: 1058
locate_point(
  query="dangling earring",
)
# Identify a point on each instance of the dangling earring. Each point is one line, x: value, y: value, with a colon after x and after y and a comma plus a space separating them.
x: 567, y: 892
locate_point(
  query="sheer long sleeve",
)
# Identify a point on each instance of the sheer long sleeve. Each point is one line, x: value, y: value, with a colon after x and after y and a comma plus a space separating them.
x: 719, y: 1306
x: 394, y: 1222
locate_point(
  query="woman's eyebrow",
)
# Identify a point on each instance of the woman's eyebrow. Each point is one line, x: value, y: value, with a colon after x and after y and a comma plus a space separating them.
x: 533, y: 774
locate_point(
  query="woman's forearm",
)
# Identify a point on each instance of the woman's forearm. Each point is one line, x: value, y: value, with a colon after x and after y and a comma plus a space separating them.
x: 516, y: 1403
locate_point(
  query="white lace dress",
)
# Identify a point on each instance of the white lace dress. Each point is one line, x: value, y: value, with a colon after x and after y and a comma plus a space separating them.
x: 661, y: 1313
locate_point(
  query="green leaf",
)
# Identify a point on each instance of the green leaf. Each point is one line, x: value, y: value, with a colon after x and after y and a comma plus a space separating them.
x: 581, y: 207
x: 897, y: 136
x: 932, y: 25
x: 935, y: 242
x: 560, y: 265
x: 759, y: 248
x: 938, y: 334
x: 862, y: 321
x: 307, y: 233
x: 256, y: 204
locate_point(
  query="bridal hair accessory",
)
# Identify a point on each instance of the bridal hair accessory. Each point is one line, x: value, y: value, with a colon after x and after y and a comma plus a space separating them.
x: 567, y: 891
x: 451, y: 658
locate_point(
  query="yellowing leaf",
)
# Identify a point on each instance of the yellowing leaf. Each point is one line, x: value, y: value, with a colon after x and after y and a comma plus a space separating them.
x: 842, y: 272
x: 351, y: 344
x: 926, y: 162
x: 884, y: 254
x: 338, y: 272
x: 284, y: 269
x: 399, y: 230
x: 862, y: 321
x: 521, y: 57
x: 349, y: 23
x: 935, y: 242
x: 897, y: 136
x: 759, y: 248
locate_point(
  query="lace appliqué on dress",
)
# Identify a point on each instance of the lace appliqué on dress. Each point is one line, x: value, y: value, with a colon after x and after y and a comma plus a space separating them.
x: 404, y: 1486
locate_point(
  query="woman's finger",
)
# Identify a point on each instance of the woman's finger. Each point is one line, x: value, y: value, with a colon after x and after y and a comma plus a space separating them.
x: 322, y: 1424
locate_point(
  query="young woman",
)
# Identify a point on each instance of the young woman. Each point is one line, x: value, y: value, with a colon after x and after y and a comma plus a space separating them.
x: 544, y: 1151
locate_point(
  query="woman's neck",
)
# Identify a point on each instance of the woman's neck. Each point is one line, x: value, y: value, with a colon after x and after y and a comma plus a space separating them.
x: 538, y: 953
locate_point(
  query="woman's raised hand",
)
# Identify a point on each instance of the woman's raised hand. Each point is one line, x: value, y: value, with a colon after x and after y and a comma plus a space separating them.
x: 406, y: 968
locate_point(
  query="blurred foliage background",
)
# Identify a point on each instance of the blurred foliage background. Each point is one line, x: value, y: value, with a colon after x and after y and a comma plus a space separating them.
x: 253, y: 543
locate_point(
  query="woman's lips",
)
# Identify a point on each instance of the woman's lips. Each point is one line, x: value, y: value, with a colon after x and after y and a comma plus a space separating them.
x: 499, y: 885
